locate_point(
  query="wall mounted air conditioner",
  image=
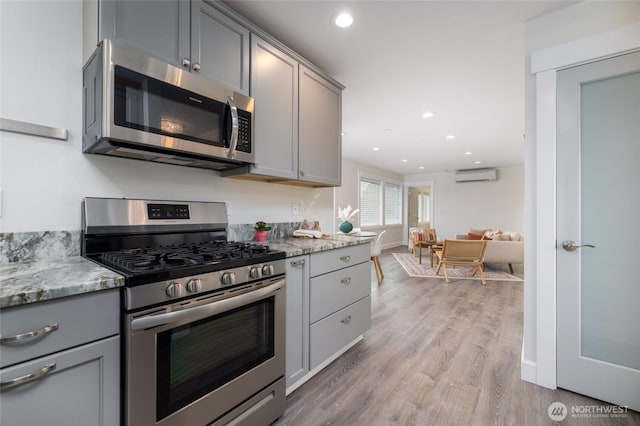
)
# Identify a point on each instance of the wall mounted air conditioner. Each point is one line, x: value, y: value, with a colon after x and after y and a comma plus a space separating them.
x: 475, y: 175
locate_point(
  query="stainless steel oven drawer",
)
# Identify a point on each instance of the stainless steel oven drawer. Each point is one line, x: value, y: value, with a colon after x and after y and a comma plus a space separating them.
x: 332, y: 333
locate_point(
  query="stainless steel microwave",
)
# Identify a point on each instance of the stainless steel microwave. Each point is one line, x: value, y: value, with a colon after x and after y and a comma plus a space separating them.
x: 138, y: 107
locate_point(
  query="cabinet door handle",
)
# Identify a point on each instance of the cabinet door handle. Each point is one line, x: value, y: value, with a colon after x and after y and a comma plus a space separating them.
x: 196, y: 66
x: 186, y: 62
x: 346, y: 281
x: 346, y: 320
x: 297, y: 262
x: 45, y: 330
x: 49, y: 368
x: 345, y: 258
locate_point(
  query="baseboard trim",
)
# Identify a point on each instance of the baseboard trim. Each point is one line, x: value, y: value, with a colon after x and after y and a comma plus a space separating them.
x: 528, y: 369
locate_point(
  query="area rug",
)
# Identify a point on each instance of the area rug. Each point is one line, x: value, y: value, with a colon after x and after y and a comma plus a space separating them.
x: 410, y: 264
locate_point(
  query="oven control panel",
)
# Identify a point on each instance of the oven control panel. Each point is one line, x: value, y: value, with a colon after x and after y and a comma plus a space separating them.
x: 168, y: 211
x: 165, y: 291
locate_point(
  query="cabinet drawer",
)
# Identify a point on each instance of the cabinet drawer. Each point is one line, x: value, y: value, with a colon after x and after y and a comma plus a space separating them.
x: 332, y: 333
x: 81, y: 386
x: 335, y: 290
x: 332, y: 260
x: 79, y: 319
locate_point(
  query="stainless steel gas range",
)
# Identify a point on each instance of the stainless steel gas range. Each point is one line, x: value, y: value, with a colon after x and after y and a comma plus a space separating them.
x: 203, y: 318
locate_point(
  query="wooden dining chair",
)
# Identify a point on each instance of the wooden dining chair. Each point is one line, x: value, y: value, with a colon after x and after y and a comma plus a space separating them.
x: 425, y: 239
x: 462, y: 253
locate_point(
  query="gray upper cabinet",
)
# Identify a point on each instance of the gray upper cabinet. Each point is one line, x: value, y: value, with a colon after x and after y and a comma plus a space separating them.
x: 274, y: 86
x: 161, y: 27
x: 189, y: 34
x: 219, y: 47
x: 320, y: 127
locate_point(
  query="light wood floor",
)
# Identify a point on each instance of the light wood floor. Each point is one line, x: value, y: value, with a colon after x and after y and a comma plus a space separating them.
x: 436, y: 354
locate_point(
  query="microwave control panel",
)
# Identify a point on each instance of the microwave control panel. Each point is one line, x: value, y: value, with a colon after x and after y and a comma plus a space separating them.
x: 244, y: 131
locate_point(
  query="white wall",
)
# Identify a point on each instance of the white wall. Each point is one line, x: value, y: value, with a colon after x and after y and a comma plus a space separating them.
x: 44, y: 180
x: 349, y: 193
x: 566, y: 25
x: 460, y: 206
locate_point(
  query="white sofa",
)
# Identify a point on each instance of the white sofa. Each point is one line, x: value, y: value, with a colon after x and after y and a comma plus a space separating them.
x: 509, y: 248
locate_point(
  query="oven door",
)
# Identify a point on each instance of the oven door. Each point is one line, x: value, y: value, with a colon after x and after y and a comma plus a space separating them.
x: 193, y: 362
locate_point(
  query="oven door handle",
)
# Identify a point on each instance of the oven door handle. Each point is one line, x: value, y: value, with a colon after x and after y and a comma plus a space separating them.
x: 204, y: 311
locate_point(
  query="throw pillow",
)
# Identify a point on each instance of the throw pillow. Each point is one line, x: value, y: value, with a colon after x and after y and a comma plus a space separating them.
x: 471, y: 236
x: 503, y: 237
x: 478, y: 231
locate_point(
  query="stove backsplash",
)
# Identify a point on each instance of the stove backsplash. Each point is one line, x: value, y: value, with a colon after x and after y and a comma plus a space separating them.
x: 50, y: 245
x: 38, y: 246
x: 245, y: 232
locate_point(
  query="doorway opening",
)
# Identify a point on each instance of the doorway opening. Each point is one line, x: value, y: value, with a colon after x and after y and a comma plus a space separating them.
x: 419, y: 202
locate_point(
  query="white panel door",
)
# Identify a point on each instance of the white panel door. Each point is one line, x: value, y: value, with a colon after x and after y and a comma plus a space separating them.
x: 598, y: 230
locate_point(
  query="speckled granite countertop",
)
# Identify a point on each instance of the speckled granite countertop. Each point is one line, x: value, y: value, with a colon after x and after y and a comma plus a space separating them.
x: 300, y: 246
x: 36, y: 281
x: 29, y: 282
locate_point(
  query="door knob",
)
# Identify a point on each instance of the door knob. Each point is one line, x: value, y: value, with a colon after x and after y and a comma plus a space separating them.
x: 572, y: 245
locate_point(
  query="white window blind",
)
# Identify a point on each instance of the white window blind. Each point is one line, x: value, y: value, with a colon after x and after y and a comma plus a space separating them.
x: 369, y: 203
x: 392, y: 204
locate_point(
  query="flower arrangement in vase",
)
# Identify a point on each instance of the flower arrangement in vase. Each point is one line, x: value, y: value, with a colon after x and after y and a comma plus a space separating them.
x: 345, y: 216
x: 261, y: 230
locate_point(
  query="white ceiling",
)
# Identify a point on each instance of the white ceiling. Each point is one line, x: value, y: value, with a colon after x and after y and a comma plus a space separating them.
x: 462, y: 60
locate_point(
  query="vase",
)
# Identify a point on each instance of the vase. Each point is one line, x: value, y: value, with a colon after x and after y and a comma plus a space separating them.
x: 261, y: 235
x: 346, y: 227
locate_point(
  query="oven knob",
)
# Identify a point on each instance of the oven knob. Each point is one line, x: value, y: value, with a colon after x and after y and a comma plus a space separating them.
x: 267, y: 270
x: 194, y: 285
x: 228, y: 278
x: 254, y: 272
x: 174, y: 289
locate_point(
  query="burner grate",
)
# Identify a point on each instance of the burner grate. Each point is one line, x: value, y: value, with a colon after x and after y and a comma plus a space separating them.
x: 188, y: 255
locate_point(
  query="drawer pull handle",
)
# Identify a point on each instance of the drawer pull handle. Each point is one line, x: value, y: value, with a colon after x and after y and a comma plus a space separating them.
x: 297, y: 262
x: 45, y: 330
x: 27, y: 378
x: 345, y: 258
x: 346, y: 281
x: 347, y: 320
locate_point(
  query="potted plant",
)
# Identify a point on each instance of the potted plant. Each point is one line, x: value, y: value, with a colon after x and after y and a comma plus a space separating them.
x: 261, y: 230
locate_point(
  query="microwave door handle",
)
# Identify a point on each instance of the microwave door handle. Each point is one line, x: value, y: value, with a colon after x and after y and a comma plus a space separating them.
x: 233, y: 140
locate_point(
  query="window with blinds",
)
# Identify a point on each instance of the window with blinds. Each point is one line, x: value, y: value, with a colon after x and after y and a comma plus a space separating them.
x: 380, y: 203
x: 392, y: 203
x: 370, y: 201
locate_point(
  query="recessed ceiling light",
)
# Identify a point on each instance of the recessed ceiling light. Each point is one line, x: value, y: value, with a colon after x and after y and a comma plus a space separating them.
x: 404, y: 160
x: 387, y: 130
x: 376, y: 149
x: 421, y: 167
x: 476, y: 162
x: 451, y: 136
x: 468, y: 153
x: 428, y: 114
x: 342, y: 19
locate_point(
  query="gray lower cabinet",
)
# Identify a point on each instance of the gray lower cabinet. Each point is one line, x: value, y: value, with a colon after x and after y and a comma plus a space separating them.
x: 328, y: 307
x: 68, y: 372
x: 340, y: 302
x: 297, y: 318
x: 192, y: 34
